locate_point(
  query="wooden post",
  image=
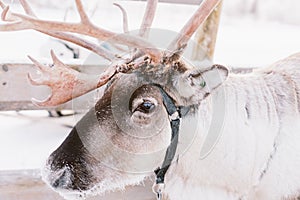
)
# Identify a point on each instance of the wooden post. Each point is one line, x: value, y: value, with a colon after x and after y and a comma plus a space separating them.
x: 206, y: 36
x: 27, y: 185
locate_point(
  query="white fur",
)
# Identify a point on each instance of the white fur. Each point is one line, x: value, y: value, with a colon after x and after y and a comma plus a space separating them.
x: 257, y: 155
x: 254, y: 155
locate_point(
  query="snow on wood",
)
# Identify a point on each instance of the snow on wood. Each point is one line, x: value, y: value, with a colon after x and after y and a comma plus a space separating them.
x: 27, y: 185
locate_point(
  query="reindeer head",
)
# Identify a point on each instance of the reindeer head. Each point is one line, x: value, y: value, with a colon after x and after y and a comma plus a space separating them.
x: 125, y: 135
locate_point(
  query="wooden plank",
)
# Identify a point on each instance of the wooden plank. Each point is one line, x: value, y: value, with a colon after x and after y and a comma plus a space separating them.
x: 24, y: 185
x: 16, y: 91
x: 27, y: 185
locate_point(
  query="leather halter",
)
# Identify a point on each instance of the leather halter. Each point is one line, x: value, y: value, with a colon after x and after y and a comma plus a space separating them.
x: 175, y: 113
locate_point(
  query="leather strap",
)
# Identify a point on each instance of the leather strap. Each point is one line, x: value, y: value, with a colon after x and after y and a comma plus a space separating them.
x: 175, y: 115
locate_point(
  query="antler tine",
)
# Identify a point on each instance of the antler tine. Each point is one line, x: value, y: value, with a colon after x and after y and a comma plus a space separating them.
x: 55, y: 59
x: 27, y: 8
x: 148, y: 17
x: 83, y: 16
x: 125, y: 18
x: 202, y: 13
x: 41, y: 67
x: 4, y: 12
x: 6, y: 15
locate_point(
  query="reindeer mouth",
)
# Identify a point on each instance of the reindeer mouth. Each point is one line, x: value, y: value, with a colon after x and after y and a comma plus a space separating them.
x: 68, y: 169
x: 65, y: 182
x: 75, y: 174
x: 62, y: 181
x: 60, y: 178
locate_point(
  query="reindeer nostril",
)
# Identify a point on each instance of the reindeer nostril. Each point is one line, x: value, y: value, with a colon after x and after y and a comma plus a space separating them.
x: 61, y: 179
x: 60, y: 182
x: 66, y: 167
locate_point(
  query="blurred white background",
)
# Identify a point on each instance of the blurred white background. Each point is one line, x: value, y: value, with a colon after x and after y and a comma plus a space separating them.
x: 252, y: 33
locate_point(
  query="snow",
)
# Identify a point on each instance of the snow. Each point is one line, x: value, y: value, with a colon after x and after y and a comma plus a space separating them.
x: 247, y: 42
x: 27, y: 137
x: 285, y: 11
x: 245, y: 39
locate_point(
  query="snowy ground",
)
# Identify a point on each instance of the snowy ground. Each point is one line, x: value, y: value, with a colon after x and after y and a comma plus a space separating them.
x: 27, y: 138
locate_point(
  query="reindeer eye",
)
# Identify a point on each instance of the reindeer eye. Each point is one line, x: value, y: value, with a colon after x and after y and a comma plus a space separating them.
x: 145, y: 107
x: 203, y: 84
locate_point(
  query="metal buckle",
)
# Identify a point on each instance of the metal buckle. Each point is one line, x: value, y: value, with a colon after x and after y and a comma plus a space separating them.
x: 174, y: 116
x: 159, y: 196
x: 158, y: 190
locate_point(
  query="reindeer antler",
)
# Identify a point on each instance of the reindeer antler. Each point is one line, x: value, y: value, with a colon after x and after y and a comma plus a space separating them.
x: 125, y: 18
x: 67, y: 83
x: 12, y: 17
x: 148, y: 17
x: 202, y: 13
x: 84, y: 27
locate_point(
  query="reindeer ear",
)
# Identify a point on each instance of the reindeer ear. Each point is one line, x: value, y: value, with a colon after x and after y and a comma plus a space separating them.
x: 197, y: 84
x: 210, y: 78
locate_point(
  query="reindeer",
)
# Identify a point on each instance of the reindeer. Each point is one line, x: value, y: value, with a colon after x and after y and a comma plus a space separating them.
x: 207, y: 133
